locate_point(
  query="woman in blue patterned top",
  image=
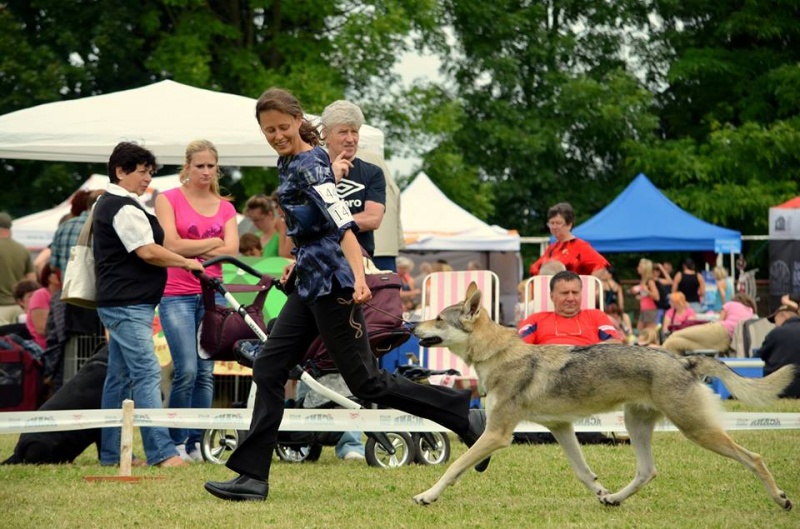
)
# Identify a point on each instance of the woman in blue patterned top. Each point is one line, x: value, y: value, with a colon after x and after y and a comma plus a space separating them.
x: 325, y: 300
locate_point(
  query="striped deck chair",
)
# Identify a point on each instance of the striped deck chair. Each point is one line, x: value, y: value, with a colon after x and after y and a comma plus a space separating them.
x: 537, y: 294
x: 440, y: 290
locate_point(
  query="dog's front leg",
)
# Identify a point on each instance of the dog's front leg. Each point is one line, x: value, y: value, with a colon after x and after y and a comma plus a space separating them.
x: 483, y: 447
x: 565, y: 435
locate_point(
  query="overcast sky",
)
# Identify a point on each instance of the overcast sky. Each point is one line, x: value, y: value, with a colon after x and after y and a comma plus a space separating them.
x: 413, y: 67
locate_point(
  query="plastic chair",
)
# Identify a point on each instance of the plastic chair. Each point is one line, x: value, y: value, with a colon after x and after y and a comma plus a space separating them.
x: 439, y: 291
x: 538, y: 287
x: 754, y: 332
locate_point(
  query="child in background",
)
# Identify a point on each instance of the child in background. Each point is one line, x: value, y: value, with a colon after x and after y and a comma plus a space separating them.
x: 23, y: 290
x: 250, y: 245
x: 621, y: 320
x: 519, y: 307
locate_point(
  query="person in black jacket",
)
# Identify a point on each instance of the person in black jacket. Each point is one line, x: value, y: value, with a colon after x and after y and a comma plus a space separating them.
x: 131, y: 268
x: 326, y: 286
x: 780, y: 346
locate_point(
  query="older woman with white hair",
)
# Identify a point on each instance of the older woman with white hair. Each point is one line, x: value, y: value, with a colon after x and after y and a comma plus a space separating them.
x: 409, y: 293
x: 360, y: 184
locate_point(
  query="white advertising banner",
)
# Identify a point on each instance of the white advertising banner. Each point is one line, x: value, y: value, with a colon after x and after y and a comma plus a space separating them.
x: 333, y: 420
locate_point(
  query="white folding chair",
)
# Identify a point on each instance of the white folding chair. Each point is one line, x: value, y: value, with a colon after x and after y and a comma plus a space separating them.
x: 537, y: 294
x: 442, y: 289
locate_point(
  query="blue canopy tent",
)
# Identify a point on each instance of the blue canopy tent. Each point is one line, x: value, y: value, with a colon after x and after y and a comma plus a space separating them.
x: 643, y: 219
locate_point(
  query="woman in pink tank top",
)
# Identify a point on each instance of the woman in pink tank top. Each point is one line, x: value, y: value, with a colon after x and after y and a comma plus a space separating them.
x: 648, y: 295
x: 198, y: 222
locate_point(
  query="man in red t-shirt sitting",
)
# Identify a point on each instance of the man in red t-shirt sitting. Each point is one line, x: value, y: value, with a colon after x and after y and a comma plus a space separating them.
x: 568, y: 324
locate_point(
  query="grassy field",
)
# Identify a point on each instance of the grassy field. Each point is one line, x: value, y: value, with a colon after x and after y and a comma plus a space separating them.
x: 525, y: 486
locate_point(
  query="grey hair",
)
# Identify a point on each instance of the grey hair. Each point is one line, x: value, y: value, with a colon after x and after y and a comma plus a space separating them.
x: 404, y: 262
x: 342, y: 112
x: 552, y: 267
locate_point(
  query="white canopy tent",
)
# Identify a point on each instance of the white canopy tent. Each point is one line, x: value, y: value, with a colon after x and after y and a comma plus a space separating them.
x: 164, y: 117
x: 35, y: 231
x: 431, y: 221
x: 435, y: 227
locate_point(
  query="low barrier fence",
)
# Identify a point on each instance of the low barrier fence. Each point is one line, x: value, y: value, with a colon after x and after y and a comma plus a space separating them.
x: 333, y: 420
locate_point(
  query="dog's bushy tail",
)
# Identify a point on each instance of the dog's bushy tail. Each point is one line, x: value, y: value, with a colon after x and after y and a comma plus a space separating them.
x: 754, y: 391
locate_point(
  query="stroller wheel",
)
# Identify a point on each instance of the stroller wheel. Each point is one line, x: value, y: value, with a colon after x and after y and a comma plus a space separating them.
x: 217, y: 445
x: 298, y: 454
x: 431, y: 448
x: 378, y: 456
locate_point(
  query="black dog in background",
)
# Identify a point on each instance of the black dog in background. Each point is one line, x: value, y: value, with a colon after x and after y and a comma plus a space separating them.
x: 82, y: 392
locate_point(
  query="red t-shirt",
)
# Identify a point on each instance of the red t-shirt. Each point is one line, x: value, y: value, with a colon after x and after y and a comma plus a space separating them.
x: 576, y: 254
x: 588, y: 327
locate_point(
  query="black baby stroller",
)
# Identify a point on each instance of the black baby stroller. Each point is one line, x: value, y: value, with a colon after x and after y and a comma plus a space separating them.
x: 385, y: 332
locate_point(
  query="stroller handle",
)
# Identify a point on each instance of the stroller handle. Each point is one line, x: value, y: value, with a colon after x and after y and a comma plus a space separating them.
x: 232, y: 260
x: 239, y: 264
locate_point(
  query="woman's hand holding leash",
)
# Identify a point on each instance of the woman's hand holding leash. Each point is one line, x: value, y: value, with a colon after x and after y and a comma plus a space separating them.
x: 361, y: 292
x: 287, y: 272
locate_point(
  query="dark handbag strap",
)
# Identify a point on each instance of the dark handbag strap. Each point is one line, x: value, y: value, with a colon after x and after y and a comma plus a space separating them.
x: 265, y: 283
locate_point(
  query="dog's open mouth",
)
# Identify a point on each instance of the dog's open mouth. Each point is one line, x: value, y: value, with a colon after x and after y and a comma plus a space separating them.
x: 431, y: 341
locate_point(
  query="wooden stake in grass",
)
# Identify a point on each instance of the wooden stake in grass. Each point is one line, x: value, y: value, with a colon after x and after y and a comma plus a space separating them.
x: 126, y: 440
x: 125, y: 449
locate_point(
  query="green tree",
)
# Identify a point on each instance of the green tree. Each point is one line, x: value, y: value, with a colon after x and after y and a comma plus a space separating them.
x: 422, y: 120
x: 540, y: 107
x: 569, y: 100
x: 52, y: 50
x: 727, y: 147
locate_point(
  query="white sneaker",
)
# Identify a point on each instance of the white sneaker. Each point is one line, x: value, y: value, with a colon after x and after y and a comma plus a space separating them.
x: 353, y: 456
x: 195, y: 456
x: 182, y: 453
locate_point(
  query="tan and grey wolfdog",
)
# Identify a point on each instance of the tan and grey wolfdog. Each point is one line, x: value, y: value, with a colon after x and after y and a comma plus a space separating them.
x: 555, y: 385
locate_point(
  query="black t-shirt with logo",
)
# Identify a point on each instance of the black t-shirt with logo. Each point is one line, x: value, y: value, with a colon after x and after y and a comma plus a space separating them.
x: 365, y: 181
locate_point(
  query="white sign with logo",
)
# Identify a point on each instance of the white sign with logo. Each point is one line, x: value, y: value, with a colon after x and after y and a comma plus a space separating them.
x: 784, y: 223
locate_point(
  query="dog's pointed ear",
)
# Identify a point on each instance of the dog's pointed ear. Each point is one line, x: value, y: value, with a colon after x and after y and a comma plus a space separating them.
x: 471, y: 289
x: 472, y: 305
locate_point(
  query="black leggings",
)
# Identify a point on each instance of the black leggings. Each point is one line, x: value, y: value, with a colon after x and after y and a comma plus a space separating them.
x: 343, y: 330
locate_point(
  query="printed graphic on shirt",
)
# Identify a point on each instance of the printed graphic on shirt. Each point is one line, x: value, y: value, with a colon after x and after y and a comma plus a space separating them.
x: 345, y: 188
x: 607, y: 328
x: 527, y: 330
x: 215, y: 230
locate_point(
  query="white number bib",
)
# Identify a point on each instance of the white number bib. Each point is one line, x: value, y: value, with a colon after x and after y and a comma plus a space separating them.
x: 337, y: 208
x: 327, y: 192
x: 340, y: 213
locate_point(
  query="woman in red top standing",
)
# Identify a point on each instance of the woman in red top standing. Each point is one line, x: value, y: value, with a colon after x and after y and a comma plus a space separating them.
x: 577, y: 255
